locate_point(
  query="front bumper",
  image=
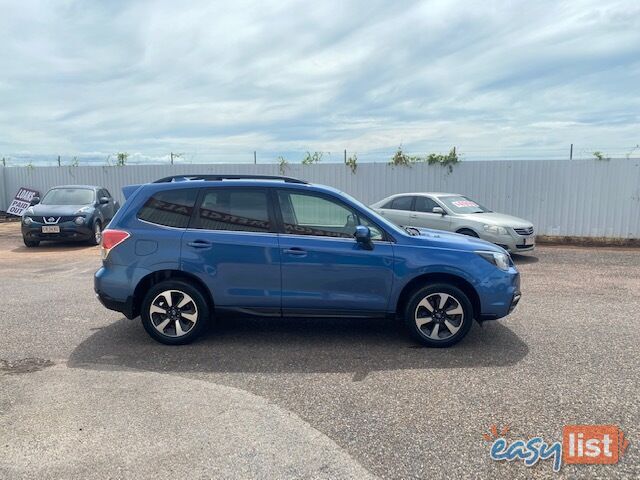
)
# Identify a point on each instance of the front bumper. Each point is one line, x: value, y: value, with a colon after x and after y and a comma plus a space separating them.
x: 500, y: 300
x: 512, y: 243
x: 69, y: 231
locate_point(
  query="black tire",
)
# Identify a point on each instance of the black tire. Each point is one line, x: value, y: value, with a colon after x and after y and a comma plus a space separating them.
x: 468, y: 232
x: 30, y: 243
x: 170, y: 334
x: 94, y: 240
x: 445, y: 320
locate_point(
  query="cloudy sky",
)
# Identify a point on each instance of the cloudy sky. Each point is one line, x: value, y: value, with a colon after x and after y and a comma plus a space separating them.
x: 496, y: 79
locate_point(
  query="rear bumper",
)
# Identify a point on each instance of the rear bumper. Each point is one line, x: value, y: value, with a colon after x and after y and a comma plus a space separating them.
x: 126, y: 307
x: 114, y: 289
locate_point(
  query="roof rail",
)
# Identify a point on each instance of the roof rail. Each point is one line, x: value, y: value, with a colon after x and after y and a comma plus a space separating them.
x: 216, y: 177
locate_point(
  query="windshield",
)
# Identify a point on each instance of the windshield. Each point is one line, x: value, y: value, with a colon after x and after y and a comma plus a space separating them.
x: 460, y: 204
x: 68, y: 196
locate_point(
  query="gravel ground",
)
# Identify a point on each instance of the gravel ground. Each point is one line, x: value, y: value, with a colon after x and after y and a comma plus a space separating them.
x: 310, y: 398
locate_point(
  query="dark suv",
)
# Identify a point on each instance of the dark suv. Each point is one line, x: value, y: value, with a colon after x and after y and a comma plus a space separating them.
x: 185, y: 248
x: 67, y: 213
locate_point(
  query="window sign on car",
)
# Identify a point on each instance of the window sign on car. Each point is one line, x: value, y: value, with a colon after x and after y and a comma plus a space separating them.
x: 464, y: 203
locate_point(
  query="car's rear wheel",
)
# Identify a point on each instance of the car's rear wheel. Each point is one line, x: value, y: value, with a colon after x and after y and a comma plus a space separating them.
x: 174, y: 312
x: 30, y: 243
x: 438, y: 315
x: 97, y: 233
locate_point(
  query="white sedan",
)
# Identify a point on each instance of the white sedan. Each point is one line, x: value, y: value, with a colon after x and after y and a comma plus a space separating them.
x: 457, y: 213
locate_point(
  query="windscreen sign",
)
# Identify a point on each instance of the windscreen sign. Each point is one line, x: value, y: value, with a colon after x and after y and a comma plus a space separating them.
x: 21, y: 201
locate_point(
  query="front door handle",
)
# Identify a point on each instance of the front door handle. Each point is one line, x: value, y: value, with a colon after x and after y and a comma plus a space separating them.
x: 299, y: 252
x: 199, y: 244
x: 413, y: 215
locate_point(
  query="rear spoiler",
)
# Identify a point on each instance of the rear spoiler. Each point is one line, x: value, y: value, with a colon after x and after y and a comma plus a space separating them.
x: 128, y: 190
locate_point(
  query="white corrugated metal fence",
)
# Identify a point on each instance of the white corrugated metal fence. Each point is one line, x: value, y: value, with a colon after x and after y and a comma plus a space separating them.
x: 587, y: 198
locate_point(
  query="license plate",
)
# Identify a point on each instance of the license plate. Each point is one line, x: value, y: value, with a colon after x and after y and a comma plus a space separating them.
x: 530, y: 241
x: 51, y: 229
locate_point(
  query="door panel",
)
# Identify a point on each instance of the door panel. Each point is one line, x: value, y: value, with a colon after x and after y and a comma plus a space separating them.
x: 324, y: 270
x: 423, y: 216
x: 232, y: 246
x: 400, y: 210
x: 242, y: 269
x: 334, y: 275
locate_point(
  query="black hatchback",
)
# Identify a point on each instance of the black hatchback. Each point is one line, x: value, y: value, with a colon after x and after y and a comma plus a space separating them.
x: 68, y: 213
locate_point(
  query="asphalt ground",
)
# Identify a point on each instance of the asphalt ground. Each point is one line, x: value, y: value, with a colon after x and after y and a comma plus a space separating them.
x: 86, y: 393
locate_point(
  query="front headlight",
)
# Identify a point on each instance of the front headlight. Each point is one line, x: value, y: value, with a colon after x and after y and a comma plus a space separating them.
x: 495, y: 229
x: 79, y: 220
x: 27, y: 220
x: 500, y: 260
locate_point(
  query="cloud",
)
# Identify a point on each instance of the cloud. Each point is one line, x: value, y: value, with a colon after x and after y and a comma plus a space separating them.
x: 496, y: 79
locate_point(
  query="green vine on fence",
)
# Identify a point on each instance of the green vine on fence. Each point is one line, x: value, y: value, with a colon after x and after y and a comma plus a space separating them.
x: 352, y: 163
x: 449, y: 160
x: 600, y: 156
x: 282, y: 165
x: 311, y: 158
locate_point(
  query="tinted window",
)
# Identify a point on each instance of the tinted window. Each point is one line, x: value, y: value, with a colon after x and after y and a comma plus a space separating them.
x: 425, y: 204
x: 401, y: 203
x: 68, y: 196
x: 234, y: 209
x: 171, y: 208
x: 315, y: 215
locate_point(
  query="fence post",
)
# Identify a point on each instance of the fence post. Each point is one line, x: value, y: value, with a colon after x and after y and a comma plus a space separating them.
x: 571, y: 152
x: 3, y: 188
x: 255, y: 158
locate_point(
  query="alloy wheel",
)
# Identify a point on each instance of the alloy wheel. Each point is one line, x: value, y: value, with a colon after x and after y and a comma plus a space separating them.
x: 97, y: 233
x: 439, y: 316
x: 173, y: 313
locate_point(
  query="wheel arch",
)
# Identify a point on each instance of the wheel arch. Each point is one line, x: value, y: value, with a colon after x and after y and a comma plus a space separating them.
x: 158, y: 276
x: 430, y: 278
x: 471, y: 229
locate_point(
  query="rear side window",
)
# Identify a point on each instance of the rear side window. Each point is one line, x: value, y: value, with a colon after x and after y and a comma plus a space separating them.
x: 235, y: 209
x: 401, y: 203
x: 171, y: 208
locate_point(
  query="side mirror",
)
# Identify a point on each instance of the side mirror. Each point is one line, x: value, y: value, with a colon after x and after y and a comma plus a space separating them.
x: 35, y: 200
x: 438, y: 210
x: 104, y: 200
x: 363, y: 237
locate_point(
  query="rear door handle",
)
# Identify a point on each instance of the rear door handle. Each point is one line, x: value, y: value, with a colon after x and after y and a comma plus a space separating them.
x: 295, y: 251
x: 199, y: 244
x: 413, y: 215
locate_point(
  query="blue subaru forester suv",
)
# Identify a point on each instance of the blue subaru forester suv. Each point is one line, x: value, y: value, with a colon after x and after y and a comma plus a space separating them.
x: 184, y: 249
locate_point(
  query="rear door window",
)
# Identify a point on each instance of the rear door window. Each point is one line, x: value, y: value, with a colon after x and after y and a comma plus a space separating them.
x: 236, y: 209
x: 171, y: 208
x: 401, y: 203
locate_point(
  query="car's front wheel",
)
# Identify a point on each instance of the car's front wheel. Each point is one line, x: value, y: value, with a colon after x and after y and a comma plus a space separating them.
x: 174, y: 312
x: 96, y: 238
x: 438, y: 315
x: 30, y: 243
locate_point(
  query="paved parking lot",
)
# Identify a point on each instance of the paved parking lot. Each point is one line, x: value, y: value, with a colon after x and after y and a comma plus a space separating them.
x: 86, y: 393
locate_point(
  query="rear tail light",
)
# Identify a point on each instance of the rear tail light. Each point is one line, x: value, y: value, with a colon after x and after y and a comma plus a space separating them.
x: 111, y: 239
